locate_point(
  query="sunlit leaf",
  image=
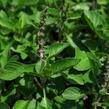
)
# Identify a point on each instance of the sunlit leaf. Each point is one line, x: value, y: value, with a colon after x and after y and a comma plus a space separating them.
x: 84, y: 63
x: 72, y: 93
x: 56, y: 49
x: 20, y: 104
x: 63, y: 64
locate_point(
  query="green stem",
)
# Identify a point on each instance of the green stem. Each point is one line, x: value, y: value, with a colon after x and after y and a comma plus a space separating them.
x: 44, y: 93
x: 38, y: 83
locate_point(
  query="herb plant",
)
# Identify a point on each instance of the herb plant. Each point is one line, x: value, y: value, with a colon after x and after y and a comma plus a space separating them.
x: 54, y: 54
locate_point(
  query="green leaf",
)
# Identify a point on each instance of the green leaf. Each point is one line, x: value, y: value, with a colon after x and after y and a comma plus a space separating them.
x: 39, y: 106
x: 39, y: 67
x: 95, y: 62
x: 20, y: 104
x: 103, y: 91
x: 46, y: 103
x: 6, y: 22
x: 77, y: 78
x: 102, y: 2
x: 56, y: 49
x: 24, y: 2
x: 24, y: 20
x: 23, y: 55
x: 32, y: 104
x: 53, y: 12
x: 94, y: 19
x: 51, y: 20
x: 74, y: 15
x: 86, y: 77
x: 50, y: 2
x: 36, y: 16
x: 4, y: 106
x: 63, y: 64
x: 84, y: 64
x: 22, y: 49
x: 59, y: 99
x: 28, y: 68
x: 4, y: 2
x: 82, y: 6
x: 5, y: 55
x: 69, y: 26
x: 14, y: 69
x: 72, y: 93
x: 11, y: 71
x: 97, y: 23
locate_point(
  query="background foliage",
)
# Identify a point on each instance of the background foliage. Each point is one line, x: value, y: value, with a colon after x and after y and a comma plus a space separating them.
x: 54, y: 54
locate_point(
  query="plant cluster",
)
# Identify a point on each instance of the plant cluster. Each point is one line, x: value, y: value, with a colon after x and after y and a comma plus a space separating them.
x: 54, y: 54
